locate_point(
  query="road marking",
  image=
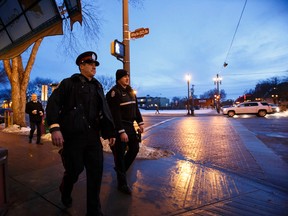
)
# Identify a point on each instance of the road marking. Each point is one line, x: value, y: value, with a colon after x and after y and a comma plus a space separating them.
x: 159, y: 123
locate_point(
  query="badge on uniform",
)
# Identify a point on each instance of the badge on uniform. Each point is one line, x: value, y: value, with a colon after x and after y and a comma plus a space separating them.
x: 113, y: 94
x: 93, y: 57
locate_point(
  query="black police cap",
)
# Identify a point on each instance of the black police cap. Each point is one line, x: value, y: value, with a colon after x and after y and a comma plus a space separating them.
x: 87, y: 57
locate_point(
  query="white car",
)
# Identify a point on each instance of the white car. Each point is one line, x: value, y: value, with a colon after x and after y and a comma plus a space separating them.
x: 275, y: 108
x: 257, y: 108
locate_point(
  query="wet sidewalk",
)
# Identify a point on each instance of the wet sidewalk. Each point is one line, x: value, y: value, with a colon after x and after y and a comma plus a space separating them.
x: 166, y: 186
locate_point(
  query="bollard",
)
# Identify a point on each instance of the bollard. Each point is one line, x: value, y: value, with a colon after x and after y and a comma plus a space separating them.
x: 8, y: 118
x: 3, y: 181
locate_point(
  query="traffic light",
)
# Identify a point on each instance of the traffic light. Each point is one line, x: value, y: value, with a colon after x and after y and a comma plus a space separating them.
x: 117, y: 49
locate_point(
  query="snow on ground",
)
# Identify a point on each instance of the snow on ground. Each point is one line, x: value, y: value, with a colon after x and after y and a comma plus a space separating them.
x: 144, y: 152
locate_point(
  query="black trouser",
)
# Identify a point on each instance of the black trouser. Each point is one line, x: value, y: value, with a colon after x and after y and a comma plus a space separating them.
x: 33, y: 126
x: 123, y: 157
x: 79, y: 152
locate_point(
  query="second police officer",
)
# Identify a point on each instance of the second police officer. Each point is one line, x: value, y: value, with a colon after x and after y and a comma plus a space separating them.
x: 124, y: 108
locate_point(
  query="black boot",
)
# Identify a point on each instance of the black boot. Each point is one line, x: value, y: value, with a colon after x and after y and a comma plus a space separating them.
x: 122, y: 182
x: 65, y: 196
x: 39, y: 141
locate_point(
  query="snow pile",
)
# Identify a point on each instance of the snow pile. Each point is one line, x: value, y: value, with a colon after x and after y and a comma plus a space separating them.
x: 144, y: 151
x: 16, y: 129
x: 278, y: 114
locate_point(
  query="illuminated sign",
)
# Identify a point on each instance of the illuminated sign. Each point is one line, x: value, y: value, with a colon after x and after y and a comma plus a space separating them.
x: 139, y: 33
x: 117, y: 49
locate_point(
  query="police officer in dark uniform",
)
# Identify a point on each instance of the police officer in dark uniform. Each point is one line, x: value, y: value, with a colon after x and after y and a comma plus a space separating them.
x: 124, y: 108
x: 77, y: 115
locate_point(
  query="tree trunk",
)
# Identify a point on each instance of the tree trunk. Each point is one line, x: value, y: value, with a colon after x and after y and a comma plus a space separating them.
x: 19, y: 79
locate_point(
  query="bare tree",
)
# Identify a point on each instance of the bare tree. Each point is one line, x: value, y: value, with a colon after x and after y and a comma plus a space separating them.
x: 19, y: 78
x: 210, y: 94
x: 107, y: 82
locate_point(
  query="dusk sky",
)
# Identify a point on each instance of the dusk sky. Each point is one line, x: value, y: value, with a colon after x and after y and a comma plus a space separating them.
x: 186, y: 37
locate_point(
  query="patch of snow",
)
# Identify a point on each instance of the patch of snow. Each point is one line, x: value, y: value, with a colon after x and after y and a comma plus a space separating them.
x: 17, y: 129
x: 144, y: 151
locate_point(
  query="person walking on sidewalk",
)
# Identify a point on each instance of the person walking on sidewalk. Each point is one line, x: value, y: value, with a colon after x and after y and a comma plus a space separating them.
x: 35, y: 110
x: 123, y: 105
x: 157, y: 109
x: 77, y: 115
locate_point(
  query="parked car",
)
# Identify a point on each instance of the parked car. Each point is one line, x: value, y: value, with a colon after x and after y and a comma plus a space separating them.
x: 274, y: 107
x: 258, y: 108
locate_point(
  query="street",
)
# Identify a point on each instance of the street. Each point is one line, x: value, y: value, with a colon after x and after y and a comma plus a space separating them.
x: 189, y: 138
x: 271, y: 130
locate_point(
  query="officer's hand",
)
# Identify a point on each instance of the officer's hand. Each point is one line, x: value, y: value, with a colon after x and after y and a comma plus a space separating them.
x: 41, y: 113
x: 34, y: 112
x: 112, y: 141
x: 57, y: 138
x: 124, y: 137
x: 141, y: 129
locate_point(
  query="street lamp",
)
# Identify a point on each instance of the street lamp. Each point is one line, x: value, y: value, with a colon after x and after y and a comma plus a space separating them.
x: 188, y: 78
x: 275, y: 98
x: 217, y: 81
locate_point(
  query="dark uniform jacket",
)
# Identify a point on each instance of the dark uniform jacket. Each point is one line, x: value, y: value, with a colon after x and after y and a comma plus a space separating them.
x: 124, y: 107
x: 30, y: 106
x: 77, y: 105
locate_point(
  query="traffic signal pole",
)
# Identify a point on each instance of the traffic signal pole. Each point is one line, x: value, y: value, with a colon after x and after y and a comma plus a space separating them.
x: 126, y: 38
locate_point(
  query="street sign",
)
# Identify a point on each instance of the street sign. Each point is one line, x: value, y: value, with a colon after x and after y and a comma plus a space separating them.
x: 139, y: 33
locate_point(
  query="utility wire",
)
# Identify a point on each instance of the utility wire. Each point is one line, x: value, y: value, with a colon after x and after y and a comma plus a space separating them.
x: 225, y: 62
x: 251, y: 74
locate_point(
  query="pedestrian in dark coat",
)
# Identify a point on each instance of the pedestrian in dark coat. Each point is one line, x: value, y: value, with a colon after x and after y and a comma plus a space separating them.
x: 35, y: 110
x: 124, y: 108
x: 77, y: 115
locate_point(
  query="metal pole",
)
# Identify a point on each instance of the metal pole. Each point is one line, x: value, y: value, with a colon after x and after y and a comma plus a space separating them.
x: 192, y: 94
x: 126, y: 42
x: 188, y: 105
x: 217, y: 81
x: 218, y: 93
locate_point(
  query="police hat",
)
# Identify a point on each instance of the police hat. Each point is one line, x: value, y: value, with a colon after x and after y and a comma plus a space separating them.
x: 87, y: 57
x: 120, y: 73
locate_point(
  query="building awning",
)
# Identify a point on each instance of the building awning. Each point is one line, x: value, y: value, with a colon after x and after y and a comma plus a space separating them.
x: 22, y: 22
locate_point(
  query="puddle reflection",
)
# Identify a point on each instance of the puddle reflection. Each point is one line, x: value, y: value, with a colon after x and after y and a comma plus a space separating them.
x: 195, y: 185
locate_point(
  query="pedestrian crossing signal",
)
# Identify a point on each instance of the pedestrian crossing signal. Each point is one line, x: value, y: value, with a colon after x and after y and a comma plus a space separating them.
x: 117, y: 49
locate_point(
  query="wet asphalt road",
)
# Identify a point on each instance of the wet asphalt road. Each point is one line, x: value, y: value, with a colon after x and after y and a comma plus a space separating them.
x: 190, y: 139
x: 271, y: 130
